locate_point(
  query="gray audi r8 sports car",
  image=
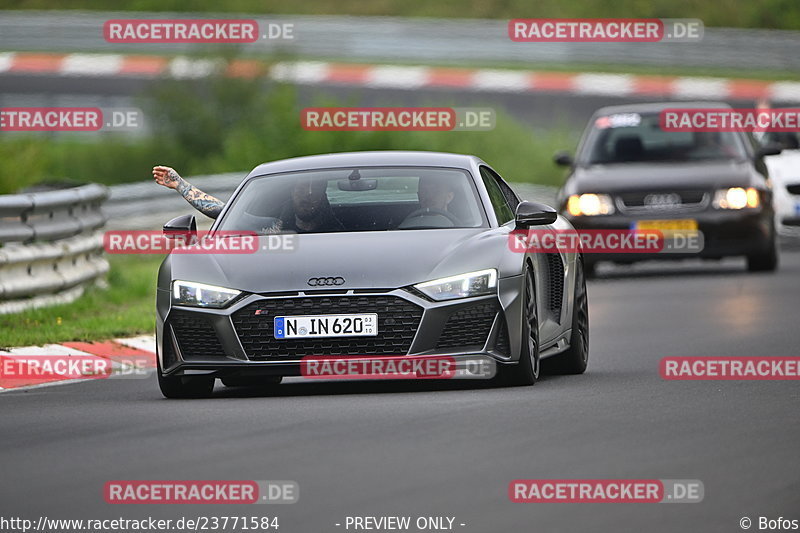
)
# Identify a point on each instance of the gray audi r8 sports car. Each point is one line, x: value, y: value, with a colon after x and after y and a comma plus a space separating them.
x: 392, y: 254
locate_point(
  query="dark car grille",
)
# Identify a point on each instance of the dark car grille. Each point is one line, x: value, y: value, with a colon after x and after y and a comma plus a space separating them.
x: 469, y: 326
x: 662, y: 201
x: 398, y: 320
x: 196, y: 335
x: 555, y: 296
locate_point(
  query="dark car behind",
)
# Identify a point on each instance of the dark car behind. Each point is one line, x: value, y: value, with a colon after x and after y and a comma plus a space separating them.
x: 628, y: 173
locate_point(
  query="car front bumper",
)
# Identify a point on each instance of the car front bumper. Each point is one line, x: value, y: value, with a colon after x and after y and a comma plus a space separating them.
x: 239, y: 340
x: 725, y: 233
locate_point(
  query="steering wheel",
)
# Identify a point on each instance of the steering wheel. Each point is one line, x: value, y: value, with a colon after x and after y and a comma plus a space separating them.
x: 427, y: 212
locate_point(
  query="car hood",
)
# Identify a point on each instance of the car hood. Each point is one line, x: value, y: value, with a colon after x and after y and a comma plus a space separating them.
x: 661, y: 176
x: 365, y: 260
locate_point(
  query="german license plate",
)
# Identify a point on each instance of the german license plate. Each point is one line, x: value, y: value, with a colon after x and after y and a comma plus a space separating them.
x: 685, y: 224
x: 313, y: 326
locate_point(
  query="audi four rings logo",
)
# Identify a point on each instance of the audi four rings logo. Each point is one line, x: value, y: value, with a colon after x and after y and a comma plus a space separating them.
x: 320, y: 282
x: 662, y: 200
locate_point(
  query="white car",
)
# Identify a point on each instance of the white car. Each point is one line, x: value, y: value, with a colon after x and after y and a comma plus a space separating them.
x: 784, y: 171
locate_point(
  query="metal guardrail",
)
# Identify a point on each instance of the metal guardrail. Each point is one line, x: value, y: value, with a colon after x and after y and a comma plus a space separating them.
x: 410, y: 39
x: 51, y: 246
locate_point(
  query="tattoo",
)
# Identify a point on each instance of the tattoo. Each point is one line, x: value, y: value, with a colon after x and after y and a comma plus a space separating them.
x: 171, y: 177
x: 205, y: 203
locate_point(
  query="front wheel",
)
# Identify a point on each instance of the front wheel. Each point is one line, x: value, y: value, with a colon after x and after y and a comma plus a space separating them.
x: 526, y: 371
x: 767, y: 262
x: 182, y: 387
x: 575, y: 359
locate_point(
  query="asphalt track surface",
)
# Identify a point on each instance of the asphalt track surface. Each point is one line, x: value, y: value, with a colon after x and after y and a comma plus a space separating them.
x: 424, y: 449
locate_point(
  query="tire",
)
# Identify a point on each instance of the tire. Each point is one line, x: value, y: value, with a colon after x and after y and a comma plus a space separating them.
x: 575, y: 359
x: 183, y: 387
x: 526, y: 371
x: 767, y: 262
x: 251, y: 381
x: 590, y: 270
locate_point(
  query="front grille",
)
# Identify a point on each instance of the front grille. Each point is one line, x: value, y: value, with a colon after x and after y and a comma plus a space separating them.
x: 469, y: 326
x: 555, y: 271
x: 398, y: 320
x: 195, y: 334
x: 653, y: 202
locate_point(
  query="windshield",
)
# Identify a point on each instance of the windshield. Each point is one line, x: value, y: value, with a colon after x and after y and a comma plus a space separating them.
x: 356, y: 199
x: 633, y: 138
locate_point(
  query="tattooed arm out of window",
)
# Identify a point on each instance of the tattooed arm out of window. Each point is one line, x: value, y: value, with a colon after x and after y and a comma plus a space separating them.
x: 205, y: 203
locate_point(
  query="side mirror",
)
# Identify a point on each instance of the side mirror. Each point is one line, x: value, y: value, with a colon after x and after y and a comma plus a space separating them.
x: 534, y: 214
x: 769, y: 149
x: 184, y: 226
x: 563, y: 159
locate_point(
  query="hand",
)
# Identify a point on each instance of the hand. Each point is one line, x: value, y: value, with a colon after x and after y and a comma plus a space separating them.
x: 166, y: 176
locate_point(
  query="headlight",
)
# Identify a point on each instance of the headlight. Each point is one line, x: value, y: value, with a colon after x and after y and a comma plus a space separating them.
x: 201, y: 295
x: 590, y: 205
x: 477, y: 283
x: 736, y: 198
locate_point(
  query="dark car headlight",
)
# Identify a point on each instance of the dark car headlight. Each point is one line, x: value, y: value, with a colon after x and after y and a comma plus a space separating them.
x: 201, y: 295
x: 736, y: 198
x: 479, y: 283
x: 590, y: 204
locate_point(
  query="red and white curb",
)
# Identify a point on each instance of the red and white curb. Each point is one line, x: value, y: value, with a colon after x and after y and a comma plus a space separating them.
x: 524, y: 81
x: 406, y: 77
x: 122, y: 65
x: 118, y: 351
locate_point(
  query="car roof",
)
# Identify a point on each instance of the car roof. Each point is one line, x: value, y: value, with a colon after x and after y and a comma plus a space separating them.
x: 367, y: 159
x: 656, y: 107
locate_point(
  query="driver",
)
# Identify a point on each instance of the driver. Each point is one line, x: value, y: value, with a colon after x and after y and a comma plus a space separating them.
x: 435, y: 196
x: 308, y: 211
x: 435, y: 193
